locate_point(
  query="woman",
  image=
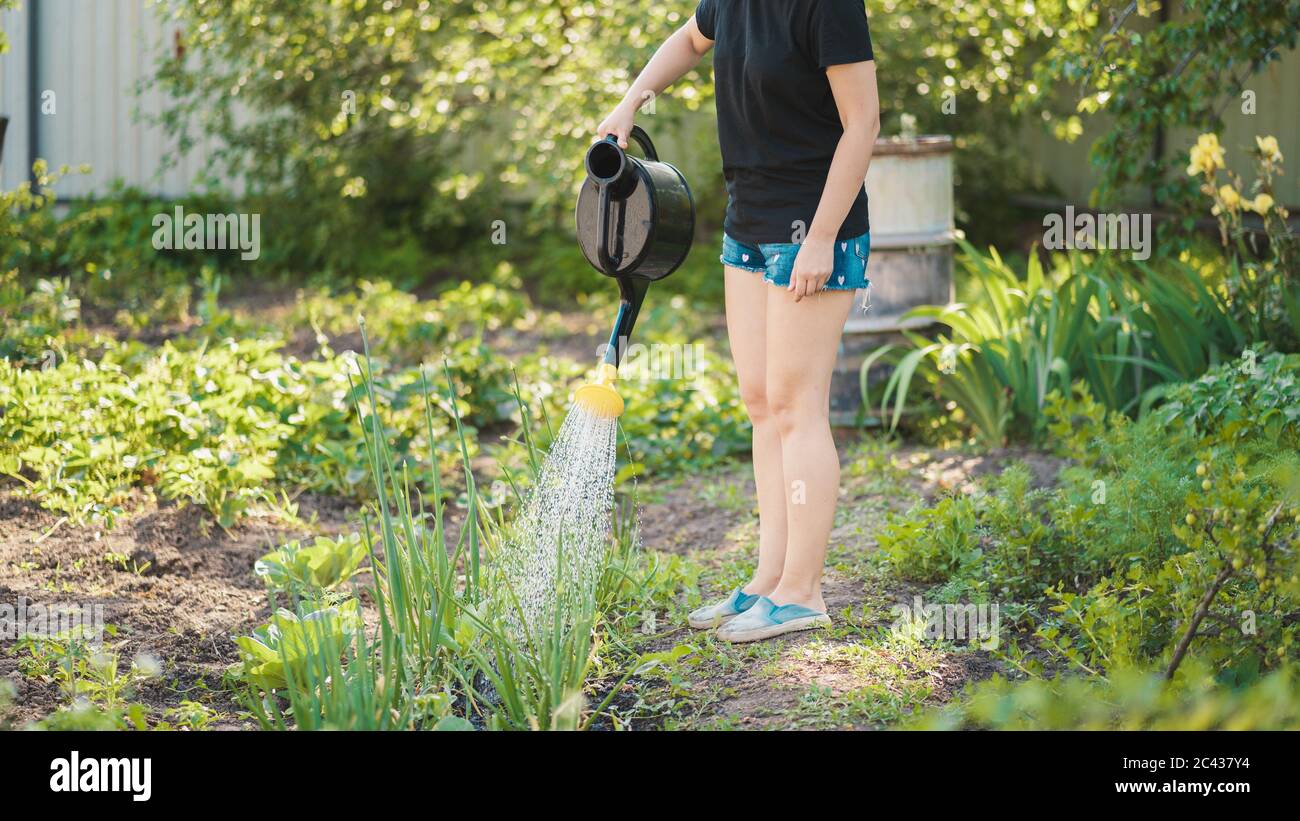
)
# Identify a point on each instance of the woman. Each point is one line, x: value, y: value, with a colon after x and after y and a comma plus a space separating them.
x: 798, y: 115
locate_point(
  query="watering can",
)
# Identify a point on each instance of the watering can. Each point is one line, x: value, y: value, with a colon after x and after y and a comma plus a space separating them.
x: 636, y: 220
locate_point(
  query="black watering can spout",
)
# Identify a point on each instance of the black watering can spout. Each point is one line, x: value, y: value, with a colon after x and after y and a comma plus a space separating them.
x: 635, y: 220
x: 632, y: 291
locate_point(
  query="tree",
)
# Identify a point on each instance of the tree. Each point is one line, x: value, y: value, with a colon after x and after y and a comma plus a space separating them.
x: 406, y: 116
x: 1152, y: 67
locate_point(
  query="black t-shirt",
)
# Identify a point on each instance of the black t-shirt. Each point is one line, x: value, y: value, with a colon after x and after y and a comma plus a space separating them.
x: 778, y: 124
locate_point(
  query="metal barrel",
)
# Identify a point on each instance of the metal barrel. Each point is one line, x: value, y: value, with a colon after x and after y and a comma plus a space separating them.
x: 910, y: 195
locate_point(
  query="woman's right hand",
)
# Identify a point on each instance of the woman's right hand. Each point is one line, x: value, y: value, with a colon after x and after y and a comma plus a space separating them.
x: 619, y: 123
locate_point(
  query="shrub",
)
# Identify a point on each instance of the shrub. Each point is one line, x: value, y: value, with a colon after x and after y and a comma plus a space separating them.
x: 1149, y: 77
x: 400, y: 141
x: 1127, y: 700
x: 1178, y: 537
x: 36, y: 322
x: 1255, y: 398
x: 101, y: 252
x: 933, y: 543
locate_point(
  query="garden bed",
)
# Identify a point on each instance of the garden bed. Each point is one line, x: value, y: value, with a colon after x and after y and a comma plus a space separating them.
x: 174, y: 586
x: 177, y: 587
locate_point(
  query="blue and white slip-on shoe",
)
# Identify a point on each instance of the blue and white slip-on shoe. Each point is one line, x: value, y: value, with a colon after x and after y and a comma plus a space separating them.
x: 721, y: 612
x: 765, y: 619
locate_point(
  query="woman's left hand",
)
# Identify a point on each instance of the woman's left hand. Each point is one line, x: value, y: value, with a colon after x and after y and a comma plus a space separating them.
x: 813, y: 266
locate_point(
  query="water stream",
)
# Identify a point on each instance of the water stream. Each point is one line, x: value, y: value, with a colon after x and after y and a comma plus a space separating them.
x: 561, y: 537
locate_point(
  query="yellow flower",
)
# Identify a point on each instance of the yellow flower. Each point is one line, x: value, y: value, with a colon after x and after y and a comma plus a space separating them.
x: 1206, y: 155
x: 1268, y: 148
x: 1262, y: 205
x: 1229, y: 197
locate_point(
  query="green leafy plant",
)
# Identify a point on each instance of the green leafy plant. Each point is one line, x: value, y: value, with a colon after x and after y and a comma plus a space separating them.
x: 92, y: 677
x: 322, y: 565
x: 1149, y: 72
x: 366, y: 146
x: 1255, y: 397
x: 1029, y: 336
x: 213, y: 424
x: 441, y: 656
x: 1131, y: 699
x: 1170, y: 551
x: 188, y: 715
x: 1263, y: 284
x: 279, y: 652
x: 934, y: 542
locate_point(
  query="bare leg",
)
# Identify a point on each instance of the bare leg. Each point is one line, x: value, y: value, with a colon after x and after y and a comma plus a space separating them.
x: 747, y: 297
x: 801, y: 345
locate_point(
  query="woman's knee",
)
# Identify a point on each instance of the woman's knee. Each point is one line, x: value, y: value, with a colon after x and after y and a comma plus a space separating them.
x: 792, y: 409
x: 754, y: 397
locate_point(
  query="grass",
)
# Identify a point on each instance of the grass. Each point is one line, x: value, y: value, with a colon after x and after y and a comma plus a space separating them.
x: 876, y: 683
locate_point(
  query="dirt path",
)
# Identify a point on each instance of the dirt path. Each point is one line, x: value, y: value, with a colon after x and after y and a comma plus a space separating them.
x: 859, y: 674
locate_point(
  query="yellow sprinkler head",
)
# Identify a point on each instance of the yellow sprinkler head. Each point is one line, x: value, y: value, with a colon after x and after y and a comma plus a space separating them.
x: 598, y: 397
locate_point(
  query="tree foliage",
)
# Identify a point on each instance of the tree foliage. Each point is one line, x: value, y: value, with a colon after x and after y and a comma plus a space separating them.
x: 412, y: 116
x: 455, y: 99
x: 1152, y: 67
x: 964, y: 68
x: 405, y: 119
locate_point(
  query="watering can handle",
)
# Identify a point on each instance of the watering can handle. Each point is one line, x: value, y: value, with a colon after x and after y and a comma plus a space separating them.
x: 642, y: 139
x: 607, y: 262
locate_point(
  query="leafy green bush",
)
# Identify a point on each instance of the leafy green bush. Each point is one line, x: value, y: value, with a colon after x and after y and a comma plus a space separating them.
x: 681, y: 425
x: 204, y: 425
x: 36, y: 323
x: 215, y: 424
x: 101, y: 251
x: 1176, y: 540
x: 968, y: 77
x: 405, y: 140
x: 1000, y: 544
x: 1257, y: 397
x: 27, y: 221
x: 1126, y: 700
x: 409, y: 329
x: 1149, y: 76
x: 933, y: 543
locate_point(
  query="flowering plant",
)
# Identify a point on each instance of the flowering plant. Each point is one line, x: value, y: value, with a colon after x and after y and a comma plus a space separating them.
x: 1262, y: 283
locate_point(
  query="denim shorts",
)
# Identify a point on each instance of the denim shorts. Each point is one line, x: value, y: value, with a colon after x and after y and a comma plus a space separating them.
x: 775, y: 261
